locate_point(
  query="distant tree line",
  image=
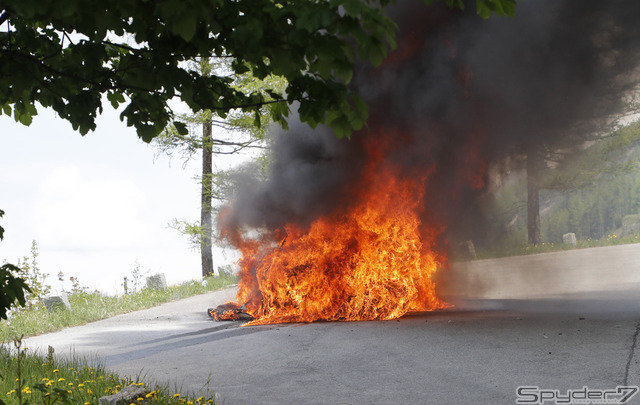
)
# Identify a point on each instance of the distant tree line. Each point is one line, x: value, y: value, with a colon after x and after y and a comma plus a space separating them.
x: 588, y: 194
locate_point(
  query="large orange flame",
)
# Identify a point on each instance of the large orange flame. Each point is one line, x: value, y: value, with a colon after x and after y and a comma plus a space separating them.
x: 371, y: 261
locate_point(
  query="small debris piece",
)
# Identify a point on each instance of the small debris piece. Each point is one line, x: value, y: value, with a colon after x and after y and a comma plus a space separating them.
x: 229, y: 311
x: 127, y: 395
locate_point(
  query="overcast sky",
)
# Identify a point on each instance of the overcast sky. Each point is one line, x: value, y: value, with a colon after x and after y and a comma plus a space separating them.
x: 95, y: 204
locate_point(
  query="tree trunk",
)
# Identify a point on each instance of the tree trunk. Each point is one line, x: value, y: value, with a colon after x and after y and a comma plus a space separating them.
x: 205, y: 207
x: 533, y: 196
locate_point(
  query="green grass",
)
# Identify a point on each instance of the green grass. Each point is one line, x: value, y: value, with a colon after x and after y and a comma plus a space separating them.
x: 88, y: 307
x: 26, y: 378
x: 31, y: 379
x: 522, y: 248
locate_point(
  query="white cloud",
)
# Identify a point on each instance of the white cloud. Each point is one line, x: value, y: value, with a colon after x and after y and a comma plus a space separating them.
x: 96, y: 204
x: 74, y: 211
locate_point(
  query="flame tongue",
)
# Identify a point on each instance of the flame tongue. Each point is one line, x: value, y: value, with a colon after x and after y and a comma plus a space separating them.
x: 367, y: 263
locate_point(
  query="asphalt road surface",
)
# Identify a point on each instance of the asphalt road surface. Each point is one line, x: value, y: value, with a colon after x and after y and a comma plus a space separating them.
x: 565, y: 321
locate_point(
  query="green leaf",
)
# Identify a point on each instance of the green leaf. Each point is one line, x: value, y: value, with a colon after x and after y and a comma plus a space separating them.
x: 360, y: 113
x: 13, y: 289
x: 116, y: 98
x: 353, y: 7
x: 186, y: 25
x: 377, y: 53
x: 146, y: 132
x: 341, y: 127
x: 455, y: 4
x: 239, y: 67
x: 181, y: 128
x: 66, y: 8
x: 500, y: 7
x: 273, y: 94
x: 257, y: 122
x: 483, y: 9
x: 22, y: 117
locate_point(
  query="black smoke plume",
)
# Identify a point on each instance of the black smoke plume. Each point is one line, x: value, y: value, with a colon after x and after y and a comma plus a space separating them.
x: 460, y: 95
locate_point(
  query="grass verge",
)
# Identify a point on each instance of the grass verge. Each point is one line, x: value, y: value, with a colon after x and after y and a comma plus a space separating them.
x: 31, y: 379
x: 89, y: 307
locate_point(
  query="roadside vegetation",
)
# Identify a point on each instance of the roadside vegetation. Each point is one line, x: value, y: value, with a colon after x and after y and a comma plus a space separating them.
x: 93, y: 306
x: 88, y: 306
x: 37, y: 378
x: 32, y: 379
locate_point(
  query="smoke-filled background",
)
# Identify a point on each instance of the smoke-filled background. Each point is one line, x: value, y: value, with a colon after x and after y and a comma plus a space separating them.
x: 463, y: 99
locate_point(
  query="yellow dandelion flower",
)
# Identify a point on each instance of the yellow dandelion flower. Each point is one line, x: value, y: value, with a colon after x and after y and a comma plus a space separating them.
x: 199, y: 399
x: 61, y: 379
x: 89, y: 391
x: 140, y: 399
x: 176, y: 395
x: 189, y: 402
x: 149, y: 395
x: 80, y: 385
x: 87, y: 403
x: 55, y: 370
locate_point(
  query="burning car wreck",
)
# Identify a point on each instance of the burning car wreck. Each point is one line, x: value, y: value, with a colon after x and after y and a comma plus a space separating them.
x: 368, y: 220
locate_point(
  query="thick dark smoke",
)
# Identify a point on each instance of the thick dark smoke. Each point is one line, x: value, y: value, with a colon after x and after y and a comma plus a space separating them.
x: 459, y: 95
